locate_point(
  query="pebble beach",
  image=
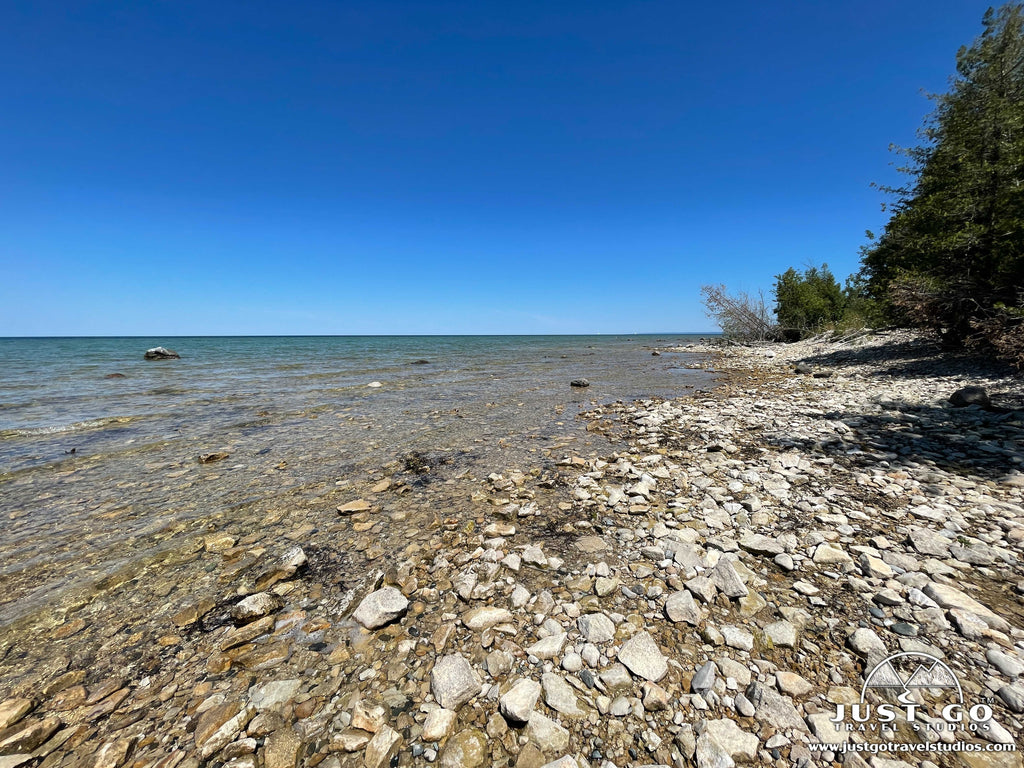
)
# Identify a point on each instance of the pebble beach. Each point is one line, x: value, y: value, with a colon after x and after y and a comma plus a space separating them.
x: 702, y: 581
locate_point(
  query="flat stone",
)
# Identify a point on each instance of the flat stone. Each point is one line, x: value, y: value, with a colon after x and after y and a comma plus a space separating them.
x: 13, y: 710
x: 951, y: 597
x: 591, y: 544
x: 382, y: 747
x: 548, y: 647
x: 1011, y: 666
x: 273, y: 695
x: 28, y: 735
x: 774, y: 708
x: 792, y: 684
x: 219, y: 726
x: 518, y: 703
x: 560, y: 696
x: 725, y: 578
x: 487, y: 616
x: 760, y: 544
x: 928, y: 542
x: 641, y: 655
x: 736, y: 742
x: 453, y: 681
x: 680, y: 606
x: 359, y: 505
x: 736, y: 637
x: 824, y: 729
x: 826, y: 554
x: 282, y: 749
x: 381, y: 608
x: 247, y: 633
x: 782, y: 634
x: 596, y: 628
x: 438, y: 724
x: 546, y: 734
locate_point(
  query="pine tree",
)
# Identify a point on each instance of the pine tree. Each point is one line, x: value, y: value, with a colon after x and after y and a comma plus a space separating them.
x: 954, y: 247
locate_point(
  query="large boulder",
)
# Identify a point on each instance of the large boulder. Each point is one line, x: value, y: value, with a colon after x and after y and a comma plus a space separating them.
x: 970, y: 396
x: 162, y: 353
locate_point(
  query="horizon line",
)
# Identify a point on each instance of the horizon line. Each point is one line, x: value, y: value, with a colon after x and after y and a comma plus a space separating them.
x: 350, y: 335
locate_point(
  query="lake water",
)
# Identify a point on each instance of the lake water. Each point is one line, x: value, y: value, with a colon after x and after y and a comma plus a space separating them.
x: 99, y: 448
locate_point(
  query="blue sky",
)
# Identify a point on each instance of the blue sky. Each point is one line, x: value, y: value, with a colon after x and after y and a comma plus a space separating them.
x: 444, y: 167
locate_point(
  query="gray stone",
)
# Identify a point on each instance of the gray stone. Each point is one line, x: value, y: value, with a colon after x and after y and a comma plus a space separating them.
x: 596, y: 627
x: 546, y: 734
x: 736, y: 742
x: 702, y: 587
x: 928, y: 542
x: 824, y: 729
x: 725, y: 578
x: 773, y: 708
x: 736, y: 637
x: 951, y: 597
x: 1010, y: 666
x: 548, y: 647
x: 867, y: 644
x: 760, y: 544
x: 642, y: 657
x: 453, y: 681
x: 1013, y: 697
x: 381, y: 607
x: 560, y: 696
x: 782, y: 634
x: 518, y: 703
x: 704, y: 679
x: 972, y: 395
x: 681, y: 607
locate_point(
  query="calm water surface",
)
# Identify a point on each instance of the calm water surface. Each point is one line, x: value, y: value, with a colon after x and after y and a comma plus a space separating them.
x: 93, y: 466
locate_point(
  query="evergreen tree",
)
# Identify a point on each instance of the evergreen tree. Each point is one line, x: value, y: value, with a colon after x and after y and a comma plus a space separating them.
x: 954, y: 247
x: 807, y: 302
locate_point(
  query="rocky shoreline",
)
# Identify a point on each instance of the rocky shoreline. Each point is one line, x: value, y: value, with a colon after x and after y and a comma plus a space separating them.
x: 706, y: 596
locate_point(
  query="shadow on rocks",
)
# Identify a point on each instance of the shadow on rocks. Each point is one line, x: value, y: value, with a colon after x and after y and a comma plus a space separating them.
x: 919, y: 357
x: 963, y: 441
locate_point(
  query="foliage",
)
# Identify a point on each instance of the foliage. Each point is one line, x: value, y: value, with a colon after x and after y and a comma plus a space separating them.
x: 807, y: 302
x: 953, y: 250
x: 741, y: 317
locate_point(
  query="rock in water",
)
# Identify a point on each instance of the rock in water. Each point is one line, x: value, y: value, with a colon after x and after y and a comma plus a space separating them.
x: 517, y: 705
x: 970, y: 396
x: 579, y: 383
x: 381, y: 607
x: 453, y: 681
x: 161, y: 353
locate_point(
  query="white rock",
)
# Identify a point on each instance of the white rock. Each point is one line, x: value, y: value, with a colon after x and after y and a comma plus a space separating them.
x: 641, y: 655
x: 453, y: 681
x: 518, y: 703
x: 381, y: 607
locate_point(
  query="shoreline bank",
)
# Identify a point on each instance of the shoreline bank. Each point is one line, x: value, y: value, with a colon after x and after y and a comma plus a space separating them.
x: 707, y: 594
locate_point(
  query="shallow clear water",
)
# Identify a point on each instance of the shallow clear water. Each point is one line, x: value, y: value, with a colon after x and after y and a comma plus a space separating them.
x: 92, y: 468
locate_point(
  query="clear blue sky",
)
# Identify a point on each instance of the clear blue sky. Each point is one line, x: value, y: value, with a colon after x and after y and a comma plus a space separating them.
x: 439, y: 167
